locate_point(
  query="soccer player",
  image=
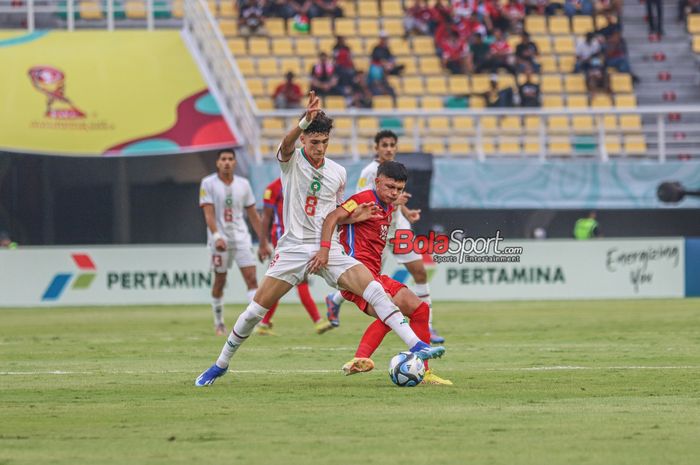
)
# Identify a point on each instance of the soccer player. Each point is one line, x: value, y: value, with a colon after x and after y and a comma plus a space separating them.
x: 224, y: 197
x: 366, y: 241
x: 273, y: 201
x: 385, y: 147
x: 313, y: 187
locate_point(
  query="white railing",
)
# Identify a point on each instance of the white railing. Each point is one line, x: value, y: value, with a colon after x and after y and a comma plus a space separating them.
x: 602, y: 133
x: 225, y: 80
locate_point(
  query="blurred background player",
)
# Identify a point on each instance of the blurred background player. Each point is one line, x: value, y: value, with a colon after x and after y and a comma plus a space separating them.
x: 273, y: 201
x: 366, y: 241
x: 6, y: 242
x: 385, y: 149
x: 587, y: 228
x: 223, y: 197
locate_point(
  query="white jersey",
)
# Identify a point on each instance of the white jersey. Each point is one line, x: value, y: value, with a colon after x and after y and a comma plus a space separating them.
x: 310, y: 195
x: 229, y: 201
x: 367, y: 177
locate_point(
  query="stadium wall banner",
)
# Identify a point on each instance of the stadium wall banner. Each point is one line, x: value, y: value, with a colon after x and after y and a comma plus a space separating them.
x: 99, y: 93
x: 557, y: 184
x: 169, y: 275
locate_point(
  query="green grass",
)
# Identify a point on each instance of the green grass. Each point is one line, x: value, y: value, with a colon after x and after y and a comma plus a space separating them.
x: 624, y: 388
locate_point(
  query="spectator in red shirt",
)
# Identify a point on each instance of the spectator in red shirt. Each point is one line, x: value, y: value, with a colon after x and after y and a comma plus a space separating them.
x: 324, y: 80
x: 417, y: 19
x: 514, y: 13
x: 454, y: 54
x: 500, y: 55
x: 344, y: 65
x: 288, y: 94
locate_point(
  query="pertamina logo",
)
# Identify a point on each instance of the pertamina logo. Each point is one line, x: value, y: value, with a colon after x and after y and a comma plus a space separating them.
x: 82, y: 281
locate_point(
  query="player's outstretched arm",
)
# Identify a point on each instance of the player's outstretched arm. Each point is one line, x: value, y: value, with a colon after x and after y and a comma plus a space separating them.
x: 320, y: 260
x: 210, y: 219
x: 265, y: 229
x: 289, y: 142
x: 364, y: 211
x: 264, y: 248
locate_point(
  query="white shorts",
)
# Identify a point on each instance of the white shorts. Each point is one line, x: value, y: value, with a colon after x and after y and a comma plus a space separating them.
x: 399, y: 221
x: 240, y: 251
x: 290, y: 264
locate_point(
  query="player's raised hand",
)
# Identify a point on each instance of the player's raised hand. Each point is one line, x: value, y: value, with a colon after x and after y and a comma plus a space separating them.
x: 320, y: 260
x: 412, y: 215
x: 313, y: 106
x: 366, y: 211
x: 403, y: 198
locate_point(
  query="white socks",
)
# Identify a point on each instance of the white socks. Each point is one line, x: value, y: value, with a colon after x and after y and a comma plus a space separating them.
x: 240, y: 332
x: 217, y: 307
x: 250, y: 294
x: 389, y: 314
x: 423, y: 293
x: 337, y: 298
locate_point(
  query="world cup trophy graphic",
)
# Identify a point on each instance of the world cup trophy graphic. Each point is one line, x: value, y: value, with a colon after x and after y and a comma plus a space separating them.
x: 51, y: 82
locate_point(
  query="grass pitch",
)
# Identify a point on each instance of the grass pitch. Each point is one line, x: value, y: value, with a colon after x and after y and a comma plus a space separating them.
x: 601, y: 382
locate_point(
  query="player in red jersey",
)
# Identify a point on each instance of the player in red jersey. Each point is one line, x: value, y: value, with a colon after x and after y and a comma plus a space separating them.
x: 365, y: 241
x: 273, y: 200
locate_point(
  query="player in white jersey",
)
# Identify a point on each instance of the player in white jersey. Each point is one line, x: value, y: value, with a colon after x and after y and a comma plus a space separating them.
x: 313, y: 187
x: 385, y: 148
x: 224, y: 197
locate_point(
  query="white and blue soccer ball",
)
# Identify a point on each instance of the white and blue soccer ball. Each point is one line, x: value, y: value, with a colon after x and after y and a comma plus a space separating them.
x: 406, y: 369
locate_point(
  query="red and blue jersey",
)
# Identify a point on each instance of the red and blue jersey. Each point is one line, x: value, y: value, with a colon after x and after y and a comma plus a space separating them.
x: 365, y: 241
x: 273, y: 198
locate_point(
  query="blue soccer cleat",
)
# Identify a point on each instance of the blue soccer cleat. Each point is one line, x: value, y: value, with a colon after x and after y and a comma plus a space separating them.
x: 333, y: 311
x: 208, y: 377
x: 435, y: 338
x: 423, y: 351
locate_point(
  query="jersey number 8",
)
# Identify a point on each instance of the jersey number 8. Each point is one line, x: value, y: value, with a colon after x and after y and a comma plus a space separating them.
x: 310, y: 207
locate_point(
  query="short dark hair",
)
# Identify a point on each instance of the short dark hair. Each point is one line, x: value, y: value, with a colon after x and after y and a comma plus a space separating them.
x: 393, y: 170
x: 222, y: 151
x: 385, y: 134
x: 322, y: 124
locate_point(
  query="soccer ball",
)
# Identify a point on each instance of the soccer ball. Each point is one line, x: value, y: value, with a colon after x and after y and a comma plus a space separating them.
x: 406, y: 369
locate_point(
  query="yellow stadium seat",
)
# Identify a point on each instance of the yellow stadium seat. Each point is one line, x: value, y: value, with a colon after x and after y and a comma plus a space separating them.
x: 582, y: 24
x: 566, y: 63
x: 630, y: 123
x: 273, y: 126
x: 505, y: 81
x: 559, y: 25
x: 382, y: 102
x: 431, y: 103
x: 434, y: 146
x: 582, y: 124
x: 487, y: 146
x: 696, y: 44
x: 489, y: 124
x: 435, y: 85
x: 635, y: 145
x: 334, y: 102
x: 411, y: 125
x: 356, y: 44
x: 564, y: 45
x: 477, y: 101
x: 345, y: 27
x: 291, y: 64
x: 439, y: 126
x: 325, y: 44
x: 400, y: 48
x: 694, y: 24
x: 544, y: 44
x: 406, y: 103
x: 342, y: 126
x: 552, y: 101
x: 549, y: 64
x: 429, y: 65
x: 610, y: 123
x: 90, y: 10
x: 600, y: 21
x: 626, y: 101
x: 577, y: 101
x: 560, y: 146
x: 259, y: 46
x: 408, y: 144
x: 178, y: 9
x: 551, y: 84
x: 459, y: 147
x: 621, y: 83
x: 264, y: 103
x: 458, y: 85
x: 531, y: 146
x: 367, y: 126
x: 211, y: 4
x: 305, y: 46
x: 392, y: 8
x: 228, y: 9
x: 393, y: 27
x: 557, y: 124
x: 268, y: 67
x: 322, y: 27
x: 413, y: 86
x: 368, y: 8
x: 511, y: 124
x: 601, y: 101
x: 135, y: 9
x: 423, y: 45
x: 535, y: 24
x: 306, y: 64
x: 266, y: 149
x: 532, y: 124
x: 369, y: 27
x: 276, y: 27
x: 282, y: 47
x: 337, y: 148
x: 229, y: 27
x: 256, y: 87
x: 509, y: 146
x: 238, y: 46
x: 270, y: 85
x: 612, y: 145
x: 463, y: 124
x: 575, y: 83
x: 480, y: 83
x: 246, y: 66
x: 410, y: 67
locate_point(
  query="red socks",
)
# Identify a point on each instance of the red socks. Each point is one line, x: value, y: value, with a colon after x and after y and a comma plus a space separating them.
x: 268, y: 316
x: 420, y: 324
x: 308, y: 301
x: 374, y: 335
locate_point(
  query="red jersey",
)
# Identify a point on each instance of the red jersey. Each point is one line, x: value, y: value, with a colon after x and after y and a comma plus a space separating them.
x: 273, y: 198
x: 366, y: 240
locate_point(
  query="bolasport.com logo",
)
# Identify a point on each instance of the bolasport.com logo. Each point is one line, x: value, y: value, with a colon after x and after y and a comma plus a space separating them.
x: 457, y: 247
x: 82, y: 280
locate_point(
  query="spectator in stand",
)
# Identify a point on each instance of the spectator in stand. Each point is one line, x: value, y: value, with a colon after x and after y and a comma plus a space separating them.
x: 529, y: 91
x: 495, y: 98
x: 439, y: 13
x: 381, y: 55
x: 251, y: 20
x: 325, y: 8
x: 526, y: 53
x: 324, y: 80
x: 687, y: 7
x: 609, y: 6
x: 597, y: 79
x: 514, y: 12
x: 417, y: 19
x: 500, y: 55
x: 377, y: 81
x: 288, y: 94
x: 578, y: 7
x: 655, y: 18
x: 279, y: 9
x: 301, y: 8
x: 455, y: 55
x: 360, y: 94
x: 6, y: 242
x: 612, y: 26
x: 616, y: 53
x: 479, y: 52
x: 537, y: 7
x: 586, y: 48
x: 490, y: 13
x: 344, y: 65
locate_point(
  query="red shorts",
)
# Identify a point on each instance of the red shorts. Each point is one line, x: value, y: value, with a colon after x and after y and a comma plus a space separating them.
x: 391, y: 287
